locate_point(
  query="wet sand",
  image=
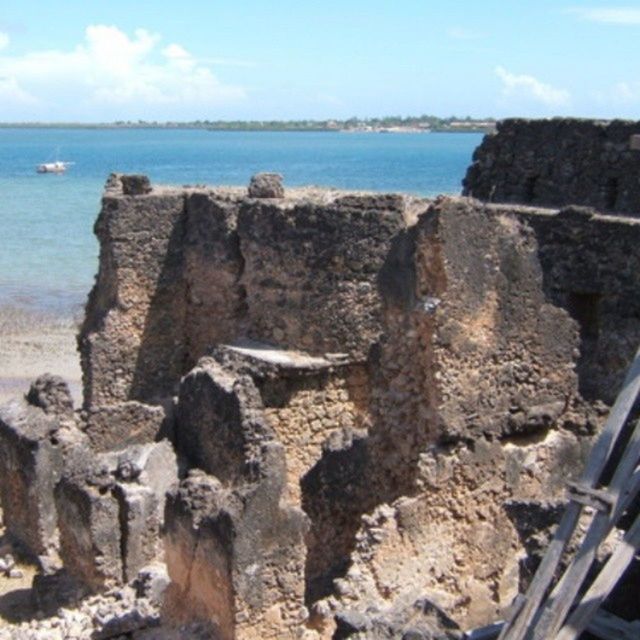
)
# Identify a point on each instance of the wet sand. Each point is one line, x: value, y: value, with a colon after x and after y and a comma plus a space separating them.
x: 32, y: 343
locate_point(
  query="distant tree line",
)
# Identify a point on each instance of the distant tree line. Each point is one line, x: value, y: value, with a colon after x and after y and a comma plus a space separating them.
x: 423, y: 122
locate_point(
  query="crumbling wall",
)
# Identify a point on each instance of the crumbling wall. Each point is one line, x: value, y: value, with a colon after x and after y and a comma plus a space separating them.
x: 590, y: 266
x: 235, y: 549
x: 31, y: 463
x: 311, y: 269
x: 110, y: 509
x: 313, y: 408
x: 184, y: 269
x: 461, y: 542
x: 462, y: 324
x: 520, y: 326
x: 559, y: 162
x: 503, y: 352
x: 131, y: 340
x: 214, y: 299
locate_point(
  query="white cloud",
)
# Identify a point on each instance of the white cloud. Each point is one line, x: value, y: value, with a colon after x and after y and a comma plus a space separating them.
x: 112, y: 74
x: 626, y: 92
x: 4, y: 40
x: 525, y: 86
x: 620, y: 94
x: 608, y: 15
x: 175, y: 52
x: 11, y: 92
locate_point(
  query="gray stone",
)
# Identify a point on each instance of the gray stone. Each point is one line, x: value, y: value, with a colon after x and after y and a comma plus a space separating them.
x: 51, y: 393
x: 558, y: 162
x: 31, y: 462
x: 90, y: 535
x: 266, y: 185
x: 233, y: 551
x: 138, y: 517
x: 220, y: 424
x: 351, y: 622
x: 152, y: 582
x: 135, y: 185
x: 115, y: 426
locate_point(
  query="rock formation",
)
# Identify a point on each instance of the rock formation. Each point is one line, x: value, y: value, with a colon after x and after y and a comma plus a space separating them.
x: 332, y: 414
x: 558, y: 162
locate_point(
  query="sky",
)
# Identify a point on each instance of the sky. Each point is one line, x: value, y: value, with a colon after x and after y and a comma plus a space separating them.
x: 109, y: 60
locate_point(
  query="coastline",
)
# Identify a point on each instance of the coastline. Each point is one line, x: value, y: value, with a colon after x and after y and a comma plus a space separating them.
x: 33, y: 343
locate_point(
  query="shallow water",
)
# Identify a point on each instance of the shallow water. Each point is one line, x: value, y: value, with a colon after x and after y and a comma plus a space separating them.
x: 49, y: 254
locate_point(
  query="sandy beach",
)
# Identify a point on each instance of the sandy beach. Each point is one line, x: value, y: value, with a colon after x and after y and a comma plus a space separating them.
x: 32, y: 343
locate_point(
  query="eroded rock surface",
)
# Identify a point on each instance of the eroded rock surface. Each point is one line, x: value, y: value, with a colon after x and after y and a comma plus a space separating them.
x: 559, y: 162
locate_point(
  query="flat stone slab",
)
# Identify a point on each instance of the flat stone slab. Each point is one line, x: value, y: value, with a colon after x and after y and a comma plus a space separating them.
x: 269, y: 354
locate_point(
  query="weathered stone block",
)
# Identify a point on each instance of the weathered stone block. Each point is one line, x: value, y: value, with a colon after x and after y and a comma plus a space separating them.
x: 140, y: 527
x: 31, y: 462
x: 113, y: 427
x: 266, y: 185
x: 220, y: 424
x: 130, y: 341
x: 312, y: 271
x: 236, y: 561
x: 213, y: 267
x: 90, y: 535
x: 144, y: 474
x: 110, y: 509
x: 51, y: 393
x: 135, y: 185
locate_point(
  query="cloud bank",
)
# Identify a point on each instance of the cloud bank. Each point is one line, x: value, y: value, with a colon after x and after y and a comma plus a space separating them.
x: 110, y: 75
x: 609, y: 15
x: 530, y: 88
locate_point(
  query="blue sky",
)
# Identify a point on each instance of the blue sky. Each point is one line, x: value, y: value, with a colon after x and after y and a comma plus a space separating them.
x: 284, y: 59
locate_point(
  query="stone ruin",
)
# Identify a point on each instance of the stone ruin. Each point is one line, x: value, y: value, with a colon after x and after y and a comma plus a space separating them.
x: 334, y: 414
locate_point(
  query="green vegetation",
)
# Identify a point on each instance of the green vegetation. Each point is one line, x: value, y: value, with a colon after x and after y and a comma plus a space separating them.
x: 386, y: 124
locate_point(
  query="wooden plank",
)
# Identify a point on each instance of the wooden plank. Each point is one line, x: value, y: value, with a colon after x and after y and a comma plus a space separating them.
x: 562, y: 597
x: 604, y: 625
x: 609, y: 627
x: 602, y: 585
x: 517, y: 627
x: 594, y: 498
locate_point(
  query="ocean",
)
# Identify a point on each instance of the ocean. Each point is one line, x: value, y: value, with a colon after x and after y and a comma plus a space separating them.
x: 49, y: 253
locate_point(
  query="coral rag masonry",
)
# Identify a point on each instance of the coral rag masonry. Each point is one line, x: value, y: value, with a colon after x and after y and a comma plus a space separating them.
x: 317, y: 414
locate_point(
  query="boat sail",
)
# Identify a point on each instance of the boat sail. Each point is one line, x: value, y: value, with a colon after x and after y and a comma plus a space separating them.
x: 55, y: 166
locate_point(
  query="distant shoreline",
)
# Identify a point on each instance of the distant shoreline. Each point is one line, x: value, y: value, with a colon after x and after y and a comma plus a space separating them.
x: 426, y: 124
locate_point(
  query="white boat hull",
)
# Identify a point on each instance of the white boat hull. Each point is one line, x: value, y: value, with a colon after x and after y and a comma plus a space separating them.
x: 52, y: 167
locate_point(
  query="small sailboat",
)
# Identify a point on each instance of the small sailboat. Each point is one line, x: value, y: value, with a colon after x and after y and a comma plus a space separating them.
x: 53, y: 167
x: 56, y: 166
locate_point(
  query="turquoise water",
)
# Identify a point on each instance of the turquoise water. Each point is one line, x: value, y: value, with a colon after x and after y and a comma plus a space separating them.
x: 49, y: 254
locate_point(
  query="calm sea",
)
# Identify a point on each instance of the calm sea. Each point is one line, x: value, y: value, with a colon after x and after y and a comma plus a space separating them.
x: 49, y: 254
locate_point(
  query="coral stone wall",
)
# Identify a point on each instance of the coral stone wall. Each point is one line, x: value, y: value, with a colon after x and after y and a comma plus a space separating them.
x: 182, y: 270
x: 316, y: 407
x: 558, y: 162
x: 128, y: 351
x: 311, y: 271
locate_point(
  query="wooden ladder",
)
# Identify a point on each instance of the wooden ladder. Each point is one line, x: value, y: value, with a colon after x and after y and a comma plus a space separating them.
x: 542, y: 614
